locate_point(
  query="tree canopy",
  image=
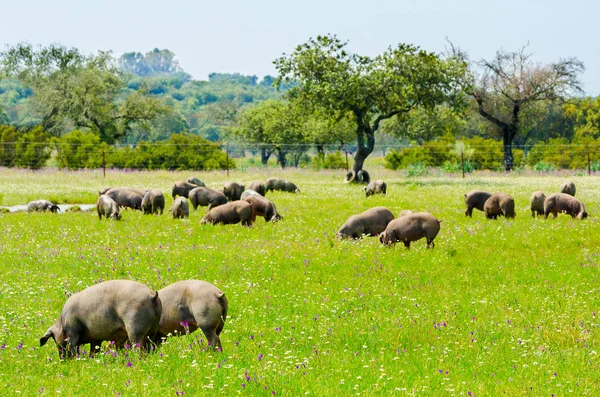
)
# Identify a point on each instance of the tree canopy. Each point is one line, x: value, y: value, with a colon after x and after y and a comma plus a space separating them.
x: 330, y: 78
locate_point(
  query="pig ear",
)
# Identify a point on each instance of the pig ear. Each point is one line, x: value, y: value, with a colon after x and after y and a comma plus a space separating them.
x: 49, y: 334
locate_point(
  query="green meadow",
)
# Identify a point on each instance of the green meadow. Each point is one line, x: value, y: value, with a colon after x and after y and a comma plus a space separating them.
x: 506, y: 307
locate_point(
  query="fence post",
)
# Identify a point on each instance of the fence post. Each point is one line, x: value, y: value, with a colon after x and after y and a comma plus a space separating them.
x: 589, y: 163
x: 462, y: 161
x: 346, y: 160
x: 103, y: 161
x: 227, y: 157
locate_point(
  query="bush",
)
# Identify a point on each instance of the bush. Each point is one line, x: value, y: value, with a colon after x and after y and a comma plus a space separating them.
x: 32, y: 149
x: 78, y: 149
x: 416, y: 170
x: 454, y: 167
x: 543, y: 166
x: 334, y: 161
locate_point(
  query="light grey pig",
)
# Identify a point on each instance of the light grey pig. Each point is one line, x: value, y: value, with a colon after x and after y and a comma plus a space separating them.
x: 562, y: 202
x: 230, y: 213
x: 499, y: 204
x: 568, y: 188
x: 42, y: 205
x: 371, y: 222
x: 180, y: 208
x: 153, y: 202
x: 475, y: 199
x: 411, y: 227
x: 376, y: 187
x: 204, y: 196
x: 537, y: 203
x: 192, y: 304
x: 107, y: 207
x: 116, y: 310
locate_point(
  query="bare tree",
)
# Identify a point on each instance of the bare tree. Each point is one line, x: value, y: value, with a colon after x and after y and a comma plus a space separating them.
x: 511, y: 82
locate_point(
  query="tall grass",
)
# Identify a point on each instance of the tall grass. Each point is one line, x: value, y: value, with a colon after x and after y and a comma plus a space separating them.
x: 498, y: 307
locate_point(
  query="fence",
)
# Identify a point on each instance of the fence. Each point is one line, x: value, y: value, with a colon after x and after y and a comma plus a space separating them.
x: 226, y: 156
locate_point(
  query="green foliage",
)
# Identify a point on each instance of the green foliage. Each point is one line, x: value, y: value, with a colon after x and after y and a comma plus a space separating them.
x: 561, y: 154
x: 8, y: 138
x: 32, y: 149
x: 178, y: 152
x: 417, y: 169
x: 334, y: 161
x: 153, y: 63
x: 543, y: 166
x: 77, y: 150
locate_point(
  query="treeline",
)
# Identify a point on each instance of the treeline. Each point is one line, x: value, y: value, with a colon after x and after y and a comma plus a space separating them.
x: 77, y: 149
x: 487, y: 154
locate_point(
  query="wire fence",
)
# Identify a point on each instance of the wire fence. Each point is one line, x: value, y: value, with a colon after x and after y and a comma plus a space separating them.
x: 226, y: 156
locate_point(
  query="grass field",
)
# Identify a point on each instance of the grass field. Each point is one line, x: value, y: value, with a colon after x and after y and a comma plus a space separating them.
x: 497, y: 308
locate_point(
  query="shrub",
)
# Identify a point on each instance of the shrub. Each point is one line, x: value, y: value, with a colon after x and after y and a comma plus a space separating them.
x: 334, y: 161
x: 78, y: 149
x: 416, y: 170
x: 32, y: 149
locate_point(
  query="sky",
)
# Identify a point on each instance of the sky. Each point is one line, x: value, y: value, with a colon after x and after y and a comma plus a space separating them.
x: 247, y: 36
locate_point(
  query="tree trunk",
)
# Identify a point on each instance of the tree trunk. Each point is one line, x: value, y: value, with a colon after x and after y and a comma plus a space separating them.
x: 365, y: 137
x: 264, y: 156
x: 508, y: 156
x: 281, y: 157
x: 321, y: 150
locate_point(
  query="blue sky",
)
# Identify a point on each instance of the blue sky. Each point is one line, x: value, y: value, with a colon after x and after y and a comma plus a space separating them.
x: 246, y: 36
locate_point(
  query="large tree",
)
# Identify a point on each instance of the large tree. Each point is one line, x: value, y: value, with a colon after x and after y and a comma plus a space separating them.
x: 324, y: 74
x: 511, y: 85
x: 81, y: 90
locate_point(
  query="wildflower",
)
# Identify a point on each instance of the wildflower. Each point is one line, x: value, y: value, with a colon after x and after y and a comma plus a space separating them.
x: 260, y: 356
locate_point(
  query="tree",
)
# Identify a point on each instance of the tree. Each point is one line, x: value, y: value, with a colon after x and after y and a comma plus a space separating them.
x: 153, y: 63
x: 329, y: 77
x: 84, y: 90
x: 274, y: 126
x: 423, y: 124
x: 511, y: 85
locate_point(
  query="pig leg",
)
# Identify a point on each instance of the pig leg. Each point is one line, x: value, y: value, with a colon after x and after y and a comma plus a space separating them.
x: 430, y: 244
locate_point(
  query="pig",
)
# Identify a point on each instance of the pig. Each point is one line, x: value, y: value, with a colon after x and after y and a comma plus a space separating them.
x: 107, y: 207
x: 141, y: 192
x: 411, y: 227
x: 126, y: 197
x: 475, y: 199
x: 258, y: 187
x: 203, y: 196
x: 230, y: 213
x: 249, y: 192
x: 499, y: 204
x: 195, y: 181
x: 191, y: 304
x: 405, y: 212
x: 233, y: 190
x: 261, y: 206
x: 42, y: 205
x: 370, y: 223
x: 376, y: 187
x: 281, y: 184
x: 180, y: 208
x: 568, y: 188
x: 563, y: 202
x: 153, y: 202
x: 182, y: 189
x: 537, y: 203
x: 117, y: 310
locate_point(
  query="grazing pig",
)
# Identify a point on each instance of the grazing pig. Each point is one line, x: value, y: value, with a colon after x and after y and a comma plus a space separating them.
x: 191, y: 304
x: 230, y: 213
x: 537, y: 203
x: 153, y: 202
x: 258, y: 187
x: 499, y: 204
x: 568, y: 188
x: 261, y: 206
x: 405, y: 212
x: 117, y: 310
x: 475, y: 199
x: 562, y: 202
x: 182, y: 189
x: 281, y: 184
x: 126, y: 197
x: 376, y: 187
x: 107, y: 207
x: 103, y: 191
x: 42, y: 205
x: 180, y: 208
x: 203, y: 196
x: 249, y: 192
x: 233, y: 191
x: 195, y: 181
x: 411, y: 227
x: 370, y: 223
